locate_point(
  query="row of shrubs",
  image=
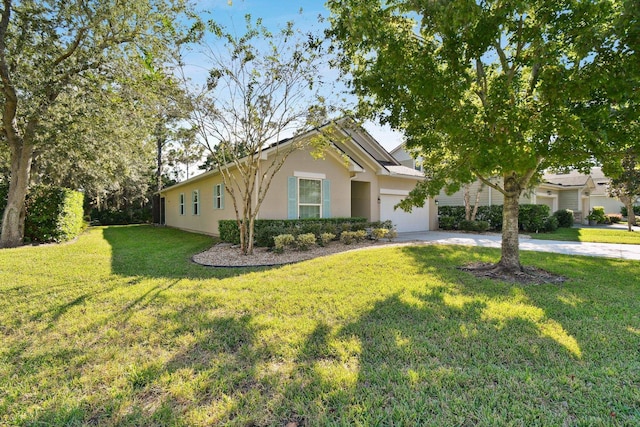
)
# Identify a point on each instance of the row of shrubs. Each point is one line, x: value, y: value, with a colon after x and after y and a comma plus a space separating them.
x: 531, y: 218
x: 266, y: 229
x: 114, y: 216
x: 305, y: 241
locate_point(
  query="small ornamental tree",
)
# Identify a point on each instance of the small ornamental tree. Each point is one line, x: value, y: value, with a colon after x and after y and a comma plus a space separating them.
x: 262, y: 87
x: 480, y: 89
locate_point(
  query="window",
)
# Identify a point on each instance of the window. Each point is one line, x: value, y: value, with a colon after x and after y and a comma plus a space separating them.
x: 309, y: 198
x: 218, y: 196
x: 195, y: 200
x: 181, y: 203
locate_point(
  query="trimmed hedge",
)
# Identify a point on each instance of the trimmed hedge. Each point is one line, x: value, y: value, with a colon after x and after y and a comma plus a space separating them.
x: 532, y: 218
x: 266, y: 229
x: 54, y: 214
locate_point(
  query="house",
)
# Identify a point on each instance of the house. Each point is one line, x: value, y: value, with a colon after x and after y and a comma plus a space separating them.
x: 357, y: 178
x: 572, y: 190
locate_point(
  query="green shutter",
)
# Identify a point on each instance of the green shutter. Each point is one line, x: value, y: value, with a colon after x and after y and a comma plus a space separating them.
x: 326, y: 198
x: 292, y: 191
x: 222, y: 196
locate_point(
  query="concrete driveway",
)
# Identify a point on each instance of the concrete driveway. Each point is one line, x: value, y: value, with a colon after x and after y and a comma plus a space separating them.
x: 491, y: 240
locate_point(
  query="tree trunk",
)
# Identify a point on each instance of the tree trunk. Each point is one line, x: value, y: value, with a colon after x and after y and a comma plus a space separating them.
x: 631, y: 215
x: 14, y: 213
x: 510, y: 260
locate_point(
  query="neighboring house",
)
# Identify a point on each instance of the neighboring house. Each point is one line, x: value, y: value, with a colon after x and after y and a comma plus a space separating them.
x: 572, y: 190
x: 358, y: 178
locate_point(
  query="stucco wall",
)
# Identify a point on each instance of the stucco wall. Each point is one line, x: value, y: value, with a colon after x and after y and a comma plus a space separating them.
x: 301, y: 162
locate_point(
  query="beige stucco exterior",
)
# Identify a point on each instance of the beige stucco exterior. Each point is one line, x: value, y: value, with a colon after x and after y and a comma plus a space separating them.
x: 354, y: 171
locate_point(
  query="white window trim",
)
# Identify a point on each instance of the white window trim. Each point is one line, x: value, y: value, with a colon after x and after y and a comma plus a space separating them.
x: 181, y: 199
x: 218, y: 197
x: 321, y: 195
x: 309, y: 175
x: 195, y: 202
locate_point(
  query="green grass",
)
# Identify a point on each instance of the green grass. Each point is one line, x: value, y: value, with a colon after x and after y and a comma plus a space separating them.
x: 119, y: 328
x: 597, y: 235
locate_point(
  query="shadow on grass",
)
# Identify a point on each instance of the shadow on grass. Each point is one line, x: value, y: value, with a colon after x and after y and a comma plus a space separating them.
x: 452, y: 350
x: 161, y: 252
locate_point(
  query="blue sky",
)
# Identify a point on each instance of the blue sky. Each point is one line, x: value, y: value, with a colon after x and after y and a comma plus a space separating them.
x: 275, y: 13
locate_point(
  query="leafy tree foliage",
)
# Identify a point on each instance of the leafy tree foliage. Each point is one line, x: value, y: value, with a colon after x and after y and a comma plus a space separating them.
x: 262, y: 87
x: 482, y: 89
x: 55, y: 53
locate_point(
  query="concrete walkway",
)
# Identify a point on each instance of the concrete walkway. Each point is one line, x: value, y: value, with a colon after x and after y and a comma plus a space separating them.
x: 606, y: 250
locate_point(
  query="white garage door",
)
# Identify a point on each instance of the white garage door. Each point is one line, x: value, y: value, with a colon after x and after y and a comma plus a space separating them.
x: 416, y: 220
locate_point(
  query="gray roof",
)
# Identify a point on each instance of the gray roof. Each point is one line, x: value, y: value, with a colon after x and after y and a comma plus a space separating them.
x: 404, y: 170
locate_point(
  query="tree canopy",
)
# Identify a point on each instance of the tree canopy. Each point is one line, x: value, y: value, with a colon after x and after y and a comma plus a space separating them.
x: 58, y: 56
x: 482, y: 89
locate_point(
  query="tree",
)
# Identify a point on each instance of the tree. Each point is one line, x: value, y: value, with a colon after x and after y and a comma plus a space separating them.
x: 626, y: 184
x: 185, y: 150
x: 49, y: 48
x: 262, y: 86
x: 482, y: 89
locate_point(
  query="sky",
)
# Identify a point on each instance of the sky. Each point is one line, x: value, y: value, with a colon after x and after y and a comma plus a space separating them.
x: 274, y: 14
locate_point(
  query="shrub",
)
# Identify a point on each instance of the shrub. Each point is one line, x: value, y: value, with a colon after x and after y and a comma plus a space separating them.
x: 447, y: 222
x: 636, y: 210
x: 281, y: 241
x: 532, y: 217
x: 325, y: 238
x: 54, y: 214
x: 114, y: 216
x: 479, y: 226
x: 305, y: 241
x: 392, y: 234
x: 360, y: 235
x: 229, y: 231
x: 614, y: 218
x: 265, y: 235
x: 491, y: 214
x: 597, y: 214
x: 565, y: 218
x: 379, y: 233
x: 551, y: 224
x: 348, y: 237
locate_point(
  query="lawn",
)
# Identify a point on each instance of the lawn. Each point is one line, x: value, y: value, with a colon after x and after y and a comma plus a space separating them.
x: 597, y: 235
x: 119, y: 328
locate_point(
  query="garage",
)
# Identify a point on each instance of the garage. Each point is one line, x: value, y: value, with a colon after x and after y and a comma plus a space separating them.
x: 416, y: 220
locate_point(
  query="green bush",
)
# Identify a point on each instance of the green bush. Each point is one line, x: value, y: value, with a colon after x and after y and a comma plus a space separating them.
x: 348, y: 237
x: 325, y: 238
x: 305, y: 241
x: 636, y: 210
x: 120, y: 217
x: 379, y: 233
x: 551, y: 224
x: 447, y: 222
x: 565, y: 218
x: 229, y: 231
x: 532, y: 218
x: 264, y: 236
x: 392, y: 234
x: 597, y: 214
x: 491, y: 214
x: 54, y: 214
x: 360, y: 235
x: 281, y: 241
x: 478, y: 226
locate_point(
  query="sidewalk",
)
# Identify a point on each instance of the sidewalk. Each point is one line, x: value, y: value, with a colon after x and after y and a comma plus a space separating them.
x: 606, y: 250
